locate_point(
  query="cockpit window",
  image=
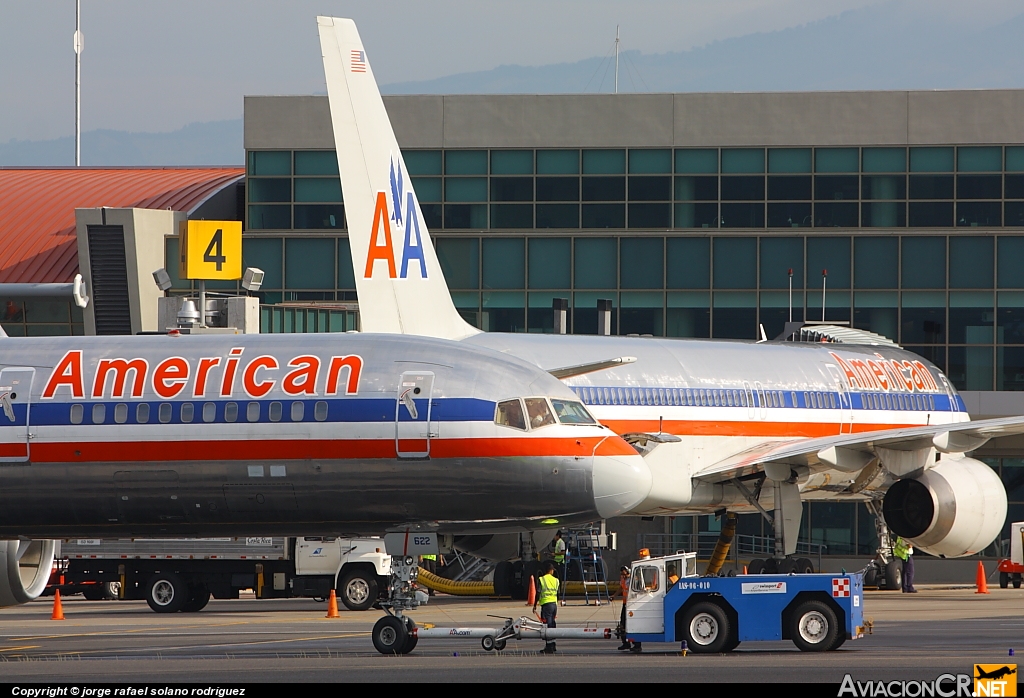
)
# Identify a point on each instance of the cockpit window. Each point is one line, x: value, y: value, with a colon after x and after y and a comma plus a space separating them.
x: 510, y: 414
x: 539, y: 413
x: 571, y: 412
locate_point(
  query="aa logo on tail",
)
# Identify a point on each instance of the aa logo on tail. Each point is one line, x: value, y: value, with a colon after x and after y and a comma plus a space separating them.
x: 407, y: 221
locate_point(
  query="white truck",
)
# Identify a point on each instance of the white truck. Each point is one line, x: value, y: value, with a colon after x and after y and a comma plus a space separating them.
x: 181, y: 574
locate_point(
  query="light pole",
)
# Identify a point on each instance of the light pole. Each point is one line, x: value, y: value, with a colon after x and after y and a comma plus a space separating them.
x: 79, y: 41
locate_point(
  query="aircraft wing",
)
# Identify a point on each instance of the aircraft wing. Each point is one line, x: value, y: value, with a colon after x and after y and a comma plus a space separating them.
x: 852, y: 452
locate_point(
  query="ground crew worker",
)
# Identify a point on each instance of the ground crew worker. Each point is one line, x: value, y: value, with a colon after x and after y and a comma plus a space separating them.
x: 905, y: 552
x: 547, y: 598
x: 624, y: 588
x: 560, y: 555
x: 429, y: 563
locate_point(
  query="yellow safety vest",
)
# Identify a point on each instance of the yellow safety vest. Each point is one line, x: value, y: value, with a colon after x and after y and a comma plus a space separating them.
x: 548, y: 590
x: 559, y: 551
x: 901, y: 549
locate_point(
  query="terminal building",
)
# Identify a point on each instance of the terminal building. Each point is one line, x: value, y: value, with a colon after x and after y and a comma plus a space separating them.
x: 696, y: 215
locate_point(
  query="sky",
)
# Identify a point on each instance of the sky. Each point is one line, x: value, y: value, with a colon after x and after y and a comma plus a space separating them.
x: 159, y: 65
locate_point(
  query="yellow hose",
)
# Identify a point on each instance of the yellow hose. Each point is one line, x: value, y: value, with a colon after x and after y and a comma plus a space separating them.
x: 723, y: 544
x: 447, y: 586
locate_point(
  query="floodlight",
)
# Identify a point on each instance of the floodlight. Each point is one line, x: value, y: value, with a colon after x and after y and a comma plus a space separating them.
x: 162, y: 279
x: 252, y: 279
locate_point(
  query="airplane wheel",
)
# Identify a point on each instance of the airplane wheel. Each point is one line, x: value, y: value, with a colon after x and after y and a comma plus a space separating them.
x: 870, y: 577
x: 756, y: 566
x: 814, y: 627
x: 389, y: 635
x: 787, y: 566
x: 804, y: 566
x: 771, y: 566
x: 411, y: 637
x: 894, y: 575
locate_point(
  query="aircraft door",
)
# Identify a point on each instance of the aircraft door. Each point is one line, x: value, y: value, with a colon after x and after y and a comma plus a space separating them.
x: 412, y: 414
x: 751, y: 408
x: 762, y: 406
x: 15, y: 400
x: 845, y: 403
x: 954, y: 406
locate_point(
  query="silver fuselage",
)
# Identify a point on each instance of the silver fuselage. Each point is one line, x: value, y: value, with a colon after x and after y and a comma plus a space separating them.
x: 285, y: 435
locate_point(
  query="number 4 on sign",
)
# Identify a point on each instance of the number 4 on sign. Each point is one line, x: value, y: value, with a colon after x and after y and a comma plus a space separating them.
x: 215, y: 251
x: 212, y: 250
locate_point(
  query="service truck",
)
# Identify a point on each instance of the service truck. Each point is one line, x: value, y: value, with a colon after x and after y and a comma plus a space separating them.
x: 181, y: 574
x: 1011, y: 570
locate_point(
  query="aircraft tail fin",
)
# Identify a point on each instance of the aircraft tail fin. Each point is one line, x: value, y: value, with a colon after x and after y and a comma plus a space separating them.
x: 398, y: 276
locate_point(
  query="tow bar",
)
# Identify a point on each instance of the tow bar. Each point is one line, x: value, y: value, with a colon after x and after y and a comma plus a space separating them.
x: 522, y: 629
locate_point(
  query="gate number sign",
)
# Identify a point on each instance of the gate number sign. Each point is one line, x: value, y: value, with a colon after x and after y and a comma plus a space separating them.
x: 211, y: 250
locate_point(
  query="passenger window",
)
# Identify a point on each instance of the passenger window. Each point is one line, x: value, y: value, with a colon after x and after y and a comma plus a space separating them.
x: 572, y: 412
x: 689, y: 396
x: 275, y: 411
x: 510, y: 414
x: 231, y: 412
x: 120, y: 413
x: 832, y: 399
x: 142, y: 413
x: 188, y: 411
x: 320, y: 411
x: 539, y: 413
x: 209, y: 412
x: 298, y: 411
x: 164, y: 413
x: 77, y: 414
x: 792, y: 399
x: 99, y: 413
x: 931, y: 402
x: 252, y: 412
x: 645, y: 579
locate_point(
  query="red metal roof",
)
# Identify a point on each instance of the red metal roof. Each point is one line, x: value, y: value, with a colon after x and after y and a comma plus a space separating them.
x: 37, y: 209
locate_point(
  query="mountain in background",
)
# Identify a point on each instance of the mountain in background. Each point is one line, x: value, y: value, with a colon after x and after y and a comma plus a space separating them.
x: 891, y: 46
x: 209, y: 143
x: 881, y: 47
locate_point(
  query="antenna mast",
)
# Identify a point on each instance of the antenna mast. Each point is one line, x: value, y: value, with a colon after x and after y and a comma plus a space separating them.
x: 78, y: 82
x: 616, y: 59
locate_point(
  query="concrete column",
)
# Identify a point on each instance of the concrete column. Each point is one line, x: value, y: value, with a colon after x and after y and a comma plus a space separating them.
x: 604, y: 316
x: 560, y: 307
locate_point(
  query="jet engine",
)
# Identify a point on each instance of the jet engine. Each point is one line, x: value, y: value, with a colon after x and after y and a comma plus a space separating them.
x: 953, y: 509
x: 25, y: 567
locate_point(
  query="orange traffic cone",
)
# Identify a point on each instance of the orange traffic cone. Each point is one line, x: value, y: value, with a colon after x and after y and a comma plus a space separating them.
x: 531, y: 596
x: 744, y: 569
x: 981, y: 583
x: 332, y: 606
x: 58, y: 609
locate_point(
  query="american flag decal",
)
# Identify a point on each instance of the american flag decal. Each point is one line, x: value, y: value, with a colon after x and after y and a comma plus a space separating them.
x: 358, y: 61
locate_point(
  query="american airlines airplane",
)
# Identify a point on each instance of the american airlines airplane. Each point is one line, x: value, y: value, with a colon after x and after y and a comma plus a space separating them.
x: 723, y: 425
x: 287, y: 435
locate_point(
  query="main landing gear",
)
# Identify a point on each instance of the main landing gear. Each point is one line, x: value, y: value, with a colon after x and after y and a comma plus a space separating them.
x: 885, y: 570
x: 784, y: 520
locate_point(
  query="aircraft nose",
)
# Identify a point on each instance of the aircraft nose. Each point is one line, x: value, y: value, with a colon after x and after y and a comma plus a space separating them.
x: 621, y: 477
